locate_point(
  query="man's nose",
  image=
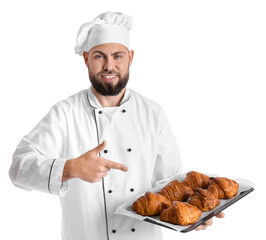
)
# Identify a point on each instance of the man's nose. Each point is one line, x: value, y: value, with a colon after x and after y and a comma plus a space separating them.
x: 109, y: 64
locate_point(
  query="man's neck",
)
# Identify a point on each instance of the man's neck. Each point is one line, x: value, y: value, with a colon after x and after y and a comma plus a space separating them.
x: 109, y: 101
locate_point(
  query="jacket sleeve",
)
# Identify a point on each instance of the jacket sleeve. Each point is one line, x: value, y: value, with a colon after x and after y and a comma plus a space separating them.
x: 168, y: 160
x: 37, y: 162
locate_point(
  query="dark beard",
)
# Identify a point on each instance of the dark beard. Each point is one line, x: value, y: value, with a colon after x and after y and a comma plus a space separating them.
x: 108, y: 89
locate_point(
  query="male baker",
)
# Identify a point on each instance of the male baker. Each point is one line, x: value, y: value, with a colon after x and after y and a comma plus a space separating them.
x: 101, y: 146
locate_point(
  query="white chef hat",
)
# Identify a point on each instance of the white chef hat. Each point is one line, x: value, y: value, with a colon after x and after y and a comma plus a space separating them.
x: 109, y: 27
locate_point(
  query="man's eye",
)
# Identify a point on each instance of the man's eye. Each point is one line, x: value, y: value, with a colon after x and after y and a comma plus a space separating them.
x: 98, y: 56
x: 118, y: 56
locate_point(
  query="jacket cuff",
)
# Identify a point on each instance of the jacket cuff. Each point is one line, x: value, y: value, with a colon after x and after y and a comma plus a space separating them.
x: 55, y: 184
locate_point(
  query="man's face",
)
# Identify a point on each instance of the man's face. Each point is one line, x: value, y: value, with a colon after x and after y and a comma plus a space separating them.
x: 108, y: 66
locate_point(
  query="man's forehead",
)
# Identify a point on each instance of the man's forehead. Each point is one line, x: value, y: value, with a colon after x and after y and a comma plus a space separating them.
x: 109, y: 48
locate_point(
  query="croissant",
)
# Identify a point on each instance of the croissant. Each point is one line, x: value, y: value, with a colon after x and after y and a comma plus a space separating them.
x: 151, y: 204
x: 181, y: 213
x: 223, y: 188
x: 196, y: 180
x: 204, y: 200
x: 176, y: 191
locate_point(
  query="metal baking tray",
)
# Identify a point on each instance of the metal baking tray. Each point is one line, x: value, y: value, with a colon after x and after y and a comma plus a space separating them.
x: 209, y: 215
x: 245, y: 187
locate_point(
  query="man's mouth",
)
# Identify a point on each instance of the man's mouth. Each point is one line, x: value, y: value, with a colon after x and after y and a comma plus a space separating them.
x: 108, y: 77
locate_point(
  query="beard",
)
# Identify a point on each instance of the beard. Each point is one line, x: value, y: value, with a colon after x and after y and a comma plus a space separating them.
x: 108, y: 89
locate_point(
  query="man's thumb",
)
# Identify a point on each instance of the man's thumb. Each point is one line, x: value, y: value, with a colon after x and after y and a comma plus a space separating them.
x: 100, y: 147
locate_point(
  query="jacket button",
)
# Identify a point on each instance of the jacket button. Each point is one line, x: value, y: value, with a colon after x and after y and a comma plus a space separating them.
x: 110, y: 191
x: 113, y: 231
x: 124, y: 110
x: 129, y: 149
x: 133, y: 230
x: 105, y: 151
x: 131, y: 189
x: 100, y: 112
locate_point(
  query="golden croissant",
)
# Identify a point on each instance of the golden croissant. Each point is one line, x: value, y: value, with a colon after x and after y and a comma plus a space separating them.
x: 181, y: 213
x: 176, y: 191
x: 223, y: 188
x: 150, y: 204
x: 204, y: 200
x: 196, y: 180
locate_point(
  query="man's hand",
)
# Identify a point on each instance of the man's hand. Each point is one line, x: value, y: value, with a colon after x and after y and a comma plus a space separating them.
x: 89, y: 166
x: 209, y: 222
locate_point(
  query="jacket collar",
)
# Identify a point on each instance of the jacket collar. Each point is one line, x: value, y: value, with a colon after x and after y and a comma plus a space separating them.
x: 93, y: 101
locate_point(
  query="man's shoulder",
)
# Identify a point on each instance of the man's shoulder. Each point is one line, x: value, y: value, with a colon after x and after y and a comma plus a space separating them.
x: 74, y: 100
x: 145, y: 101
x: 77, y: 96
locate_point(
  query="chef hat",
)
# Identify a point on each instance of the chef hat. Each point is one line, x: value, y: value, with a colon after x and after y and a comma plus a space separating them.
x: 109, y: 27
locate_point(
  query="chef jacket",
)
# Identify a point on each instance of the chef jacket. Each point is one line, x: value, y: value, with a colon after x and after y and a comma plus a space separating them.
x: 137, y: 134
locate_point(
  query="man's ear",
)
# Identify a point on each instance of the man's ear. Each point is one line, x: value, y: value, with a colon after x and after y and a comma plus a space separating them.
x: 86, y: 56
x: 131, y: 55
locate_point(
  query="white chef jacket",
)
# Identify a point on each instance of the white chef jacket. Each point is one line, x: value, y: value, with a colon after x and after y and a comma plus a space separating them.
x: 137, y: 134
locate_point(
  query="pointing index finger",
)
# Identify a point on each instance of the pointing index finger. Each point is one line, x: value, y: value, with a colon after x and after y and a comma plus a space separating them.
x: 115, y: 165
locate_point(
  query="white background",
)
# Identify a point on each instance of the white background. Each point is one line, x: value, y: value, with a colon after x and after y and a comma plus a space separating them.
x: 203, y: 61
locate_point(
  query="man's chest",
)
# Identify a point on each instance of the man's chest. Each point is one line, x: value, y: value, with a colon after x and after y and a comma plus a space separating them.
x: 129, y: 133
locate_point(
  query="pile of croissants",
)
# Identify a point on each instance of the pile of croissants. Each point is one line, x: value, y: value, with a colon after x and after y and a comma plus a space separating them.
x: 183, y: 202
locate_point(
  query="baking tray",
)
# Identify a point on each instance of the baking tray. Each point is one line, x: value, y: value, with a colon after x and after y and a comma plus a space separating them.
x: 245, y: 187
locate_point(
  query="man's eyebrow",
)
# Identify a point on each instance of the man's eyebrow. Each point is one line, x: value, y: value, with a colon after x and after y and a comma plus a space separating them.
x: 115, y: 53
x: 118, y: 52
x: 97, y: 51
